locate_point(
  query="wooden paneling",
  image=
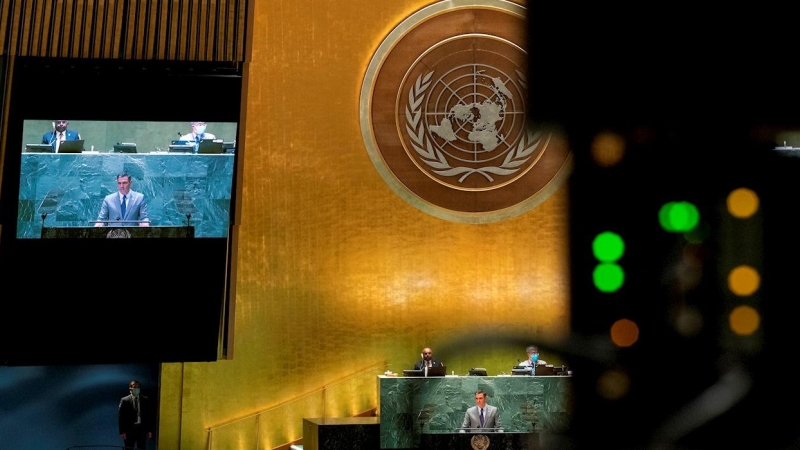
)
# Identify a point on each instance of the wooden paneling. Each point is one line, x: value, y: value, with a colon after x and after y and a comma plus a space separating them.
x: 180, y: 30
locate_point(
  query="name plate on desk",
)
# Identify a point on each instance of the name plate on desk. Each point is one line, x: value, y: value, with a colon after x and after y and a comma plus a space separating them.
x: 116, y: 232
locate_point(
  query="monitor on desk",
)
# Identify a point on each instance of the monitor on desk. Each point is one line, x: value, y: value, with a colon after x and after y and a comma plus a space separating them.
x: 124, y: 147
x: 71, y: 146
x: 439, y: 371
x: 521, y: 370
x: 526, y: 370
x: 181, y: 148
x: 38, y: 148
x: 210, y: 147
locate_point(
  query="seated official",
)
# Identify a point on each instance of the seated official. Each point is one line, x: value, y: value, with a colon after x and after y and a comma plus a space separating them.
x: 59, y: 134
x: 533, y: 358
x: 125, y: 206
x: 481, y: 416
x: 198, y: 133
x: 427, y: 360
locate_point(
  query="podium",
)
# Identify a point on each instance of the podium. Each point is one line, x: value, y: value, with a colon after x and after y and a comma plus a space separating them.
x: 415, y: 410
x: 467, y: 441
x: 115, y: 232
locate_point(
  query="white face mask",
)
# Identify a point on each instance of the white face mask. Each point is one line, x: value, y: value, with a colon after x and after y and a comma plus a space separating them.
x: 200, y: 129
x: 135, y: 391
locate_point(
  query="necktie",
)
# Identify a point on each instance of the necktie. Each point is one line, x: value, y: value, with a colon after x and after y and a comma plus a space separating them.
x: 138, y: 411
x: 481, y: 417
x: 58, y: 140
x: 124, y: 206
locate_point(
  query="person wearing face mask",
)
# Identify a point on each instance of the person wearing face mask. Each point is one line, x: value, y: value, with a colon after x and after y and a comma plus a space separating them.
x: 59, y: 134
x: 533, y: 357
x: 198, y: 134
x: 135, y: 418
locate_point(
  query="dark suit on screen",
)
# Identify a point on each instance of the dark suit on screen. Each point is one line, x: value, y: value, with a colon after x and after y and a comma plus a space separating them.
x: 50, y: 137
x: 136, y: 209
x: 421, y: 364
x: 491, y: 418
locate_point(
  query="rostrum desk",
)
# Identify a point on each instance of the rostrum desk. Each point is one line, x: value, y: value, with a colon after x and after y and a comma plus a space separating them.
x: 115, y: 232
x: 411, y: 407
x: 513, y: 440
x: 70, y: 187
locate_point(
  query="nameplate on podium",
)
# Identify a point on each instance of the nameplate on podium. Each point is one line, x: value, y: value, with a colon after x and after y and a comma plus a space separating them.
x: 117, y: 232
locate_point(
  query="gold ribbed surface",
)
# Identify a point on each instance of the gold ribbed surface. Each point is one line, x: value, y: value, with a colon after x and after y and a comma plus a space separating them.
x: 335, y: 271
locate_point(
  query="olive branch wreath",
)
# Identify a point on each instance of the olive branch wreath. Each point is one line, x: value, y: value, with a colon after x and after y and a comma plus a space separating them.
x: 435, y: 158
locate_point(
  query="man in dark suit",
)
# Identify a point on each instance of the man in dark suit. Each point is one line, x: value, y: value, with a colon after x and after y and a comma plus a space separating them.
x: 60, y: 133
x: 124, y: 205
x: 136, y: 418
x: 482, y: 415
x: 427, y: 360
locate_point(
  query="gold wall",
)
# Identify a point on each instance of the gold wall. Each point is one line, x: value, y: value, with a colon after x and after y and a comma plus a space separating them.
x: 337, y: 273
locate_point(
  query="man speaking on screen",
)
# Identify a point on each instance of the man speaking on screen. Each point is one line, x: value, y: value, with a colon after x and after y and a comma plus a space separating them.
x: 126, y: 206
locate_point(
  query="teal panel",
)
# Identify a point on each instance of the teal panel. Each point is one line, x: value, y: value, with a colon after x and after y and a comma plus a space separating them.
x: 79, y: 182
x: 410, y: 406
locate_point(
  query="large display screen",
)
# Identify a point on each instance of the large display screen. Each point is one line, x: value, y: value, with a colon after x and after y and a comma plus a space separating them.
x: 131, y: 289
x: 180, y: 188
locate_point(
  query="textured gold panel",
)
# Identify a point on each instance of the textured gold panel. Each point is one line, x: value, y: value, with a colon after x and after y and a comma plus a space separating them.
x: 336, y: 273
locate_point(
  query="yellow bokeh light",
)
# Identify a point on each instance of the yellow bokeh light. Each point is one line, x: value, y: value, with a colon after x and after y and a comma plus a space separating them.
x: 744, y: 320
x: 613, y: 385
x: 624, y: 333
x: 742, y: 203
x: 608, y: 149
x: 744, y: 280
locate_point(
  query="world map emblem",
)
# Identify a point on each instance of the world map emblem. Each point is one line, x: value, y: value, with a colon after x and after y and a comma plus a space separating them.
x: 443, y: 114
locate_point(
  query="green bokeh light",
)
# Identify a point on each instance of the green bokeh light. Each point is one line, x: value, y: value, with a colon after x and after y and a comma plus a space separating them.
x: 678, y: 217
x: 608, y: 246
x: 608, y: 277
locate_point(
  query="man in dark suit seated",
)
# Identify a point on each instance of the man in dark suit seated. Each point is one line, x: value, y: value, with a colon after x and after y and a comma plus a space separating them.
x: 60, y: 133
x: 427, y: 360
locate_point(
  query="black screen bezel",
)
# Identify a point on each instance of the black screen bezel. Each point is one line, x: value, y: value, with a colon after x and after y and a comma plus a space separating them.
x: 97, y: 301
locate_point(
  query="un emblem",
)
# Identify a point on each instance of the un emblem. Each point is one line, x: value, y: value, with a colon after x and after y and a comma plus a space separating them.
x: 444, y: 104
x: 118, y: 233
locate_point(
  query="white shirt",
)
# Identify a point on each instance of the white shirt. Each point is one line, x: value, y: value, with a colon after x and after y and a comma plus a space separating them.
x: 193, y: 137
x: 527, y: 363
x: 60, y: 137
